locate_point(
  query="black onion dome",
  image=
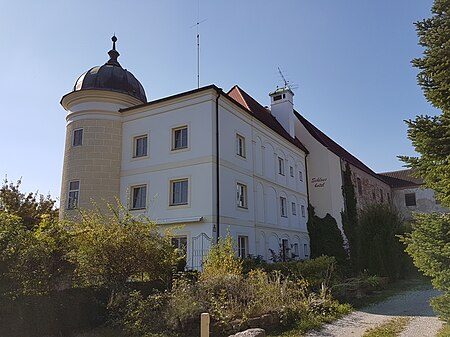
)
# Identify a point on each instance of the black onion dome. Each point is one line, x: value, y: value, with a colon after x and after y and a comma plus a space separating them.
x: 111, y: 76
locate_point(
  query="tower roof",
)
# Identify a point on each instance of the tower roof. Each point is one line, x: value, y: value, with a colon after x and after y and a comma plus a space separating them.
x: 111, y: 76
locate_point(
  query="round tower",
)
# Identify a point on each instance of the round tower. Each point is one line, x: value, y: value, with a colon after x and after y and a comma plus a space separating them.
x: 93, y: 149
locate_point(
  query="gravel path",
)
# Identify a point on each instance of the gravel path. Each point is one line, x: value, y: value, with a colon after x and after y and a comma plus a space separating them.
x: 412, y: 303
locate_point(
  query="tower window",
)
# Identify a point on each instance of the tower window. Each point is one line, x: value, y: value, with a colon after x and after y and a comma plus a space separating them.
x: 77, y: 137
x: 74, y: 193
x: 277, y: 97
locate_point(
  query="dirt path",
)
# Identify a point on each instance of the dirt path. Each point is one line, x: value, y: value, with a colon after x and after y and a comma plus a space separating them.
x: 414, y: 304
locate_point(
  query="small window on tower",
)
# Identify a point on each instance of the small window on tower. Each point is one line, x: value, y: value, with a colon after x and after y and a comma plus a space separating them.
x: 77, y: 137
x: 277, y: 97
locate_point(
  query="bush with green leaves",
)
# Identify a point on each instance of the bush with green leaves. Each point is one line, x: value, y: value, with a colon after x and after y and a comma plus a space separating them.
x: 112, y: 249
x: 381, y: 253
x: 429, y: 246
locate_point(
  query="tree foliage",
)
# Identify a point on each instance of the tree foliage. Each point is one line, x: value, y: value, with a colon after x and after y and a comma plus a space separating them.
x: 350, y: 217
x: 111, y: 249
x: 325, y: 236
x: 28, y: 206
x: 380, y: 249
x: 430, y: 135
x: 429, y: 246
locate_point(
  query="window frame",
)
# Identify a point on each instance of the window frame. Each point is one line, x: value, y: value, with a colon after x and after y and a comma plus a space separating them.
x: 77, y: 141
x: 174, y: 138
x: 242, y: 249
x: 408, y: 199
x: 303, y: 211
x: 241, y: 195
x: 182, y: 202
x: 283, y: 207
x: 73, y: 194
x: 291, y: 171
x: 281, y: 168
x: 134, y: 206
x: 135, y: 146
x: 179, y: 244
x: 240, y: 146
x: 300, y: 175
x: 294, y: 208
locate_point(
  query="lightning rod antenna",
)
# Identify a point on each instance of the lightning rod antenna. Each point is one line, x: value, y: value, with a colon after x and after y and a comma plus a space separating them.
x: 198, y: 42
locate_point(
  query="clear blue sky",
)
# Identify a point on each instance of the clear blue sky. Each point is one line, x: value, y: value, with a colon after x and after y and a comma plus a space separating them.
x: 349, y: 58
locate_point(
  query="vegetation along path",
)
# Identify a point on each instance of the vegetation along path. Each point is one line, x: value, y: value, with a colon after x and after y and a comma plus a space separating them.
x: 413, y: 304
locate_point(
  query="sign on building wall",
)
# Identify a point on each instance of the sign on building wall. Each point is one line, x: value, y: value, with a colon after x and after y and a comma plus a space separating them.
x: 318, y: 182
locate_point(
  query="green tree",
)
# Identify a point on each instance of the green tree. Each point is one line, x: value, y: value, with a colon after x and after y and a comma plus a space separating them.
x: 429, y: 246
x: 325, y: 236
x: 380, y: 249
x: 31, y: 207
x: 33, y: 261
x: 111, y: 249
x: 430, y: 135
x: 350, y: 217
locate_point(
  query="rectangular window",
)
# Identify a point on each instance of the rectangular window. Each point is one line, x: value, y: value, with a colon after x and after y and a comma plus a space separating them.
x: 240, y: 146
x: 294, y: 208
x: 283, y: 207
x: 291, y: 171
x: 179, y: 192
x: 284, y: 249
x: 410, y: 199
x: 305, y: 250
x: 180, y: 242
x: 281, y: 166
x: 381, y: 195
x: 138, y: 197
x: 74, y: 193
x: 300, y: 175
x: 296, y: 250
x: 77, y: 137
x: 243, y: 246
x: 241, y: 195
x: 302, y: 207
x: 359, y: 185
x: 180, y: 138
x: 140, y: 146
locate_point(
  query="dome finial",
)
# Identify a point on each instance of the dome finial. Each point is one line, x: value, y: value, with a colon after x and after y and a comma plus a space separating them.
x: 113, y: 53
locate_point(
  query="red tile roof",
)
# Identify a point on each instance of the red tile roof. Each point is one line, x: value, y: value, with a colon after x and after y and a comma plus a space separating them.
x: 262, y: 114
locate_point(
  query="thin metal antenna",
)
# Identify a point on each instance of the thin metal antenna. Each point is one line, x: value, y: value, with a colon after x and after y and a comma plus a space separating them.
x: 286, y: 82
x: 198, y: 42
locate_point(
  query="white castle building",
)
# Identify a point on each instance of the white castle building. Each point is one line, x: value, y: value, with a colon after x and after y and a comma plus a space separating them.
x: 205, y: 162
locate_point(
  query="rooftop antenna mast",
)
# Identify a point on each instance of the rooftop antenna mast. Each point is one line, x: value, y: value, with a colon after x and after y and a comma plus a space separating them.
x: 198, y: 42
x: 286, y: 82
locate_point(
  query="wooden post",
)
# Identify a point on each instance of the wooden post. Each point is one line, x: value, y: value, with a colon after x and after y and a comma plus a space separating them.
x: 204, y: 325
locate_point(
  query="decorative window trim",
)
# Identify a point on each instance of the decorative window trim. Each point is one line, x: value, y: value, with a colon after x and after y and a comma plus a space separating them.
x: 283, y: 207
x: 77, y: 137
x: 73, y: 194
x: 241, y: 196
x: 242, y: 246
x: 144, y: 152
x: 182, y: 146
x: 240, y: 146
x: 135, y: 194
x: 184, y: 198
x: 281, y: 166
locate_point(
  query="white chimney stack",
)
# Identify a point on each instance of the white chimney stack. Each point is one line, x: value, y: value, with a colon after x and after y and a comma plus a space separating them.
x: 282, y: 108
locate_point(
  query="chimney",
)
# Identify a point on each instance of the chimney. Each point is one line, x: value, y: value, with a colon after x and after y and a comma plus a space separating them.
x: 282, y: 108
